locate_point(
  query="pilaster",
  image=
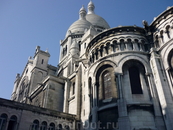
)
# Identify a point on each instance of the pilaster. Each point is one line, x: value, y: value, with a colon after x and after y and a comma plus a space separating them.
x: 163, y: 89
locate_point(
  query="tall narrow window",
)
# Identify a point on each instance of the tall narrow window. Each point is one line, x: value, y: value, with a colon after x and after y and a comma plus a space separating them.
x: 3, y: 121
x: 67, y: 127
x: 51, y: 126
x: 12, y: 123
x: 168, y: 31
x: 42, y: 61
x: 73, y: 89
x: 162, y: 36
x: 157, y: 41
x: 170, y: 61
x: 35, y: 125
x: 135, y: 80
x: 43, y: 126
x: 90, y: 92
x: 59, y: 127
x: 106, y: 78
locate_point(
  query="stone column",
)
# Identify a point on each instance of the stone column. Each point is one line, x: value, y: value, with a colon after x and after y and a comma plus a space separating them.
x: 141, y: 46
x: 119, y: 48
x: 126, y: 45
x: 95, y: 108
x: 7, y: 124
x: 170, y: 79
x: 134, y: 45
x: 99, y: 53
x: 109, y: 49
x: 66, y: 95
x: 105, y: 50
x: 123, y: 121
x: 119, y: 85
x: 78, y: 92
x: 112, y: 48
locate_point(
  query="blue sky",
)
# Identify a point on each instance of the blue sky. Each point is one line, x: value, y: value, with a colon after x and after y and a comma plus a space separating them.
x: 24, y: 24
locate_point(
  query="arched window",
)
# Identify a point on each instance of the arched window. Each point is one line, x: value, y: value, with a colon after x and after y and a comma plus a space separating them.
x: 135, y: 80
x: 168, y: 31
x: 52, y: 126
x: 59, y: 127
x: 3, y: 121
x: 35, y: 125
x: 170, y: 61
x: 106, y: 78
x: 157, y: 45
x: 162, y: 36
x: 106, y: 88
x: 43, y: 126
x: 67, y: 127
x: 90, y: 92
x: 12, y: 123
x: 69, y: 68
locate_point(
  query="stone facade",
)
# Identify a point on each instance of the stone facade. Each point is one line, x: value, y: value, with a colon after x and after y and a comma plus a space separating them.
x: 107, y: 78
x: 21, y: 116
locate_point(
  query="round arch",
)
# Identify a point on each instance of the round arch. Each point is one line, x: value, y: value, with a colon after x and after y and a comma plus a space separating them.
x: 166, y: 54
x: 106, y: 62
x: 132, y: 57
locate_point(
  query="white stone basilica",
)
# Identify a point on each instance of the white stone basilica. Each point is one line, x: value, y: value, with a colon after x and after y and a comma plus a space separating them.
x: 107, y: 79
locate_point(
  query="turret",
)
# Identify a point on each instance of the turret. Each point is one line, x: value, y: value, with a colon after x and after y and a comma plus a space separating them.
x: 40, y: 64
x: 74, y: 49
x: 17, y: 80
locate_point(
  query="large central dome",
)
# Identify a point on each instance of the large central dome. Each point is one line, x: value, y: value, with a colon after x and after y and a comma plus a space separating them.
x: 81, y: 25
x: 86, y: 21
x: 97, y: 21
x: 94, y: 19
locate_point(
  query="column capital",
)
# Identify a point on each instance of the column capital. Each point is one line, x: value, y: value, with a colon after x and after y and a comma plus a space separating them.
x: 148, y: 74
x: 118, y: 73
x: 95, y: 84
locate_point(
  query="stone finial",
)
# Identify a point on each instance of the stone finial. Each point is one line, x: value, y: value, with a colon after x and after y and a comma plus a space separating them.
x: 17, y: 75
x: 168, y: 8
x: 145, y: 23
x: 30, y: 57
x: 37, y: 49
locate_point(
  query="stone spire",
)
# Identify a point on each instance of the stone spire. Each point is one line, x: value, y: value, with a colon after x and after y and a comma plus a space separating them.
x: 91, y: 7
x: 82, y: 13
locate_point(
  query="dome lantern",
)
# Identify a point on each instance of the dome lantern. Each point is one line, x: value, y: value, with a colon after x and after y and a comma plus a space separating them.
x: 99, y: 23
x: 82, y: 13
x: 91, y: 7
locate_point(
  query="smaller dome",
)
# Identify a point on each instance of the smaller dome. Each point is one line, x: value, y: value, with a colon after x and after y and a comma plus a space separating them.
x: 80, y: 26
x: 97, y: 21
x: 94, y: 19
